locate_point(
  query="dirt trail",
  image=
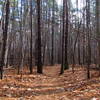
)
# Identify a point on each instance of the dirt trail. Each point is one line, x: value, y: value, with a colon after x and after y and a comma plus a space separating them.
x: 49, y: 86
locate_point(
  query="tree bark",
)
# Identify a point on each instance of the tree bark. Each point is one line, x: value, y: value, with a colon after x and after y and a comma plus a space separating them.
x: 5, y: 30
x: 66, y: 39
x: 31, y: 70
x: 39, y: 62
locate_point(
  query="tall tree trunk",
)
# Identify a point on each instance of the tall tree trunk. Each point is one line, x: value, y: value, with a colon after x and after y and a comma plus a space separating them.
x: 88, y: 37
x: 98, y: 27
x: 62, y: 64
x: 52, y: 51
x: 31, y: 71
x: 66, y: 38
x: 5, y: 30
x: 39, y: 62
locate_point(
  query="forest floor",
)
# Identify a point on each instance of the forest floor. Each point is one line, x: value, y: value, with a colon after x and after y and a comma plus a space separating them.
x: 50, y: 85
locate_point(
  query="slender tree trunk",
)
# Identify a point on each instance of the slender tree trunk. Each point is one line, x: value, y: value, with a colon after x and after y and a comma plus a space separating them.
x: 66, y: 38
x: 52, y: 52
x: 62, y: 64
x: 5, y: 30
x: 88, y: 37
x: 39, y: 62
x: 83, y: 53
x: 98, y: 27
x: 31, y: 70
